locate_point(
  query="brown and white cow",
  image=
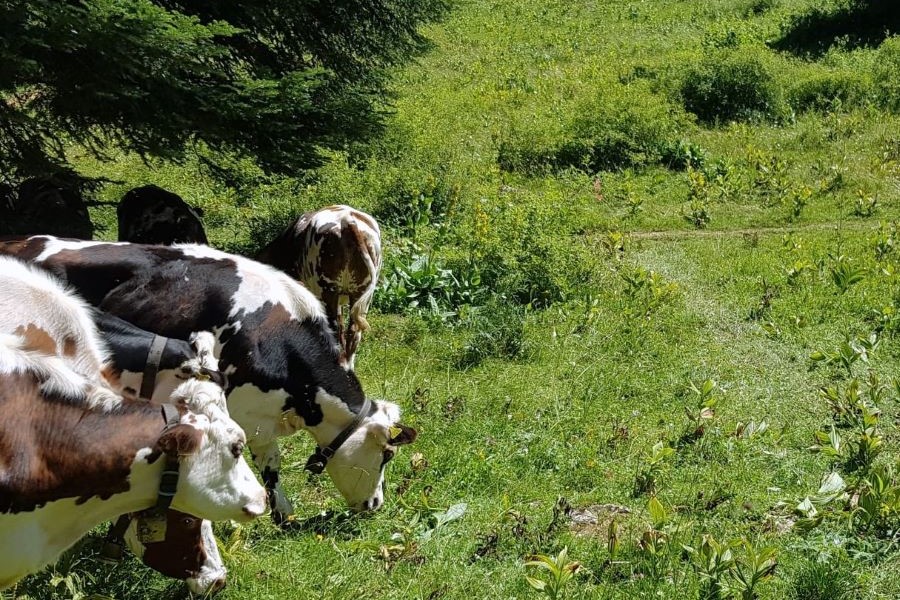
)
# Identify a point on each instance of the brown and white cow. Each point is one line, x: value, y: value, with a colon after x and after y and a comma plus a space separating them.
x: 336, y: 253
x: 152, y: 215
x: 276, y: 347
x: 71, y: 457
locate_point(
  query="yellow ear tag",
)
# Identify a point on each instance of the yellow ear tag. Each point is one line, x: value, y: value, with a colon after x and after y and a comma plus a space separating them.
x: 394, y: 432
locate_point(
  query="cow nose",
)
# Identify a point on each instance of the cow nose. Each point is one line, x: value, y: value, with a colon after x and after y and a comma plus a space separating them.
x: 256, y: 508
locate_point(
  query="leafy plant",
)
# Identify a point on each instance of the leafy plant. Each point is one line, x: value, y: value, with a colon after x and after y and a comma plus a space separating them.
x: 647, y: 289
x: 864, y: 205
x: 654, y: 464
x: 559, y: 570
x: 848, y: 352
x: 843, y: 274
x: 712, y: 561
x: 706, y: 400
x: 754, y: 566
x: 697, y: 214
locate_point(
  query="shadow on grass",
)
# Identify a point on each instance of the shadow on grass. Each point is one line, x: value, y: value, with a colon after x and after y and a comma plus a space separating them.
x: 856, y: 24
x: 328, y: 523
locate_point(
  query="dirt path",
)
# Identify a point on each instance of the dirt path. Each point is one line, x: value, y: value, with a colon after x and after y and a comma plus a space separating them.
x: 679, y: 234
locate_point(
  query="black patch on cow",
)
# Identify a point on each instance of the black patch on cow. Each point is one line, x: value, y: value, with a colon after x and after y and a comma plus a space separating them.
x: 130, y: 344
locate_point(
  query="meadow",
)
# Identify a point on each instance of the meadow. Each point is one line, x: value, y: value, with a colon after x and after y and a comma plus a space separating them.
x: 641, y: 299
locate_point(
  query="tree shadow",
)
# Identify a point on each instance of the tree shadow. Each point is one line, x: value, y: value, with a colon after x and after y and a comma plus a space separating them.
x: 859, y: 24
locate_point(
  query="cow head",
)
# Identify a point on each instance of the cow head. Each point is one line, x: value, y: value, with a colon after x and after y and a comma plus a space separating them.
x: 215, y: 481
x: 357, y: 467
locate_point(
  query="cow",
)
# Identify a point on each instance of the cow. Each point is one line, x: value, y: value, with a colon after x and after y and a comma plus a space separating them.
x: 336, y: 253
x: 71, y: 457
x: 281, y: 358
x: 49, y: 319
x: 152, y: 215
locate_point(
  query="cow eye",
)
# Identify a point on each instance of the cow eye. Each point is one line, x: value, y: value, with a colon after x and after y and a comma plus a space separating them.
x: 236, y: 449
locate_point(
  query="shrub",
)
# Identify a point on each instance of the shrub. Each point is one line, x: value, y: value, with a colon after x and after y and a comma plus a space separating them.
x: 625, y: 126
x: 887, y: 74
x: 832, y: 91
x: 732, y: 85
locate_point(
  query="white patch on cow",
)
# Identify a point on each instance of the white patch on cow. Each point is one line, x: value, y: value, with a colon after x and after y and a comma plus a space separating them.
x: 261, y: 284
x: 213, y: 572
x: 53, y: 245
x: 260, y: 413
x: 57, y: 377
x: 32, y: 297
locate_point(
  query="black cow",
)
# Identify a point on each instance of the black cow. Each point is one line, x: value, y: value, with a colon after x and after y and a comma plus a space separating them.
x: 152, y: 215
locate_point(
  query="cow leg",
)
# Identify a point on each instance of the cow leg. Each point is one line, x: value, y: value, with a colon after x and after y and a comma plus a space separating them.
x: 267, y: 458
x: 211, y: 577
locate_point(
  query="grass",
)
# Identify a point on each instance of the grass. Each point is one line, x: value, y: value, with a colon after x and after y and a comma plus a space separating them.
x: 630, y: 304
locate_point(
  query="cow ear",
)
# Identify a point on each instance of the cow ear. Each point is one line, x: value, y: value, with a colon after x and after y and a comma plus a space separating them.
x: 180, y: 440
x: 401, y: 434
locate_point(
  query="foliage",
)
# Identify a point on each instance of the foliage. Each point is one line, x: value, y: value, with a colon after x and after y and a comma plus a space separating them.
x: 498, y: 332
x: 728, y: 86
x: 268, y: 80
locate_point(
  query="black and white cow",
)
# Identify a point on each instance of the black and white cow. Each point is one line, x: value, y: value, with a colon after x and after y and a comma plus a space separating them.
x: 176, y: 360
x: 74, y: 454
x: 276, y: 348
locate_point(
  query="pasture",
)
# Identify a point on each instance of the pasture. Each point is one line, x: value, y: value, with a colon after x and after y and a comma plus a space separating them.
x: 584, y: 224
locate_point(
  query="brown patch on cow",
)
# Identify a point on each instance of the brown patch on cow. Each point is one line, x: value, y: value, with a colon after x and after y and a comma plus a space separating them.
x: 181, y: 554
x: 180, y: 440
x: 112, y: 376
x: 36, y: 339
x: 53, y: 448
x: 70, y: 346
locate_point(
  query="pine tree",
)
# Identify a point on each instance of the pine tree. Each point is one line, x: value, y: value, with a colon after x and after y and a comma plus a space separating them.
x: 277, y: 81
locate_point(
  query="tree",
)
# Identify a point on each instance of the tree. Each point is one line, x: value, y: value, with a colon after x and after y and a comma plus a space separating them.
x: 277, y: 81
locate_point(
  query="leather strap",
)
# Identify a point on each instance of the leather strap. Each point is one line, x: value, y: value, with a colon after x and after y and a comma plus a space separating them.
x: 154, y: 355
x: 316, y: 463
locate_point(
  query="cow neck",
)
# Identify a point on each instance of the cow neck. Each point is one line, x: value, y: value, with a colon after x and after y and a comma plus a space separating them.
x: 319, y: 459
x: 114, y: 545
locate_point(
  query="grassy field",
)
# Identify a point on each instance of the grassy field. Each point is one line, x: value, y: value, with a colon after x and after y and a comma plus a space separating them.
x: 590, y: 210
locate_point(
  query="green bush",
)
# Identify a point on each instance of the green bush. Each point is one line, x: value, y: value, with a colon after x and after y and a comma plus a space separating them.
x: 832, y: 91
x: 887, y: 74
x: 732, y: 86
x: 626, y: 126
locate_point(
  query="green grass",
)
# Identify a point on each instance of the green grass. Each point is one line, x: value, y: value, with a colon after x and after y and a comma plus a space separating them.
x: 478, y: 144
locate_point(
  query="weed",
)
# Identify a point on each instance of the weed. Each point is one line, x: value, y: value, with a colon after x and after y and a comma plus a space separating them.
x: 704, y: 411
x: 843, y: 274
x: 647, y: 290
x: 647, y: 479
x: 885, y: 241
x: 848, y: 352
x: 697, y: 214
x: 498, y: 333
x: 559, y: 570
x: 864, y: 205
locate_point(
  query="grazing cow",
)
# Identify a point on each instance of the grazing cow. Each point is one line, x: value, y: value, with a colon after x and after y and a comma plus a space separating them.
x: 152, y: 215
x: 281, y: 357
x: 336, y: 253
x: 72, y: 457
x: 51, y: 321
x: 189, y: 550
